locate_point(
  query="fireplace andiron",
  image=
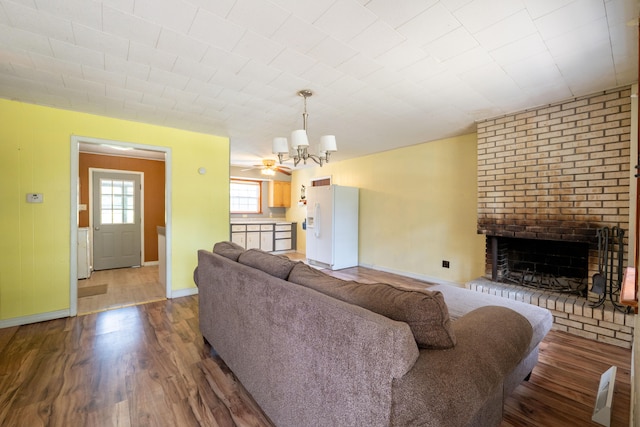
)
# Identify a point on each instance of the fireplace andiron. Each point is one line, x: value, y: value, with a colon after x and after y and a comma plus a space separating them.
x: 610, y: 246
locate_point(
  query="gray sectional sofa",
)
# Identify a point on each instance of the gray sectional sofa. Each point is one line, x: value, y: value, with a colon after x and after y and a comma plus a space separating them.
x: 314, y: 350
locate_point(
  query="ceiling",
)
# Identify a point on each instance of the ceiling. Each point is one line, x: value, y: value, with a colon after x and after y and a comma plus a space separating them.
x: 385, y: 74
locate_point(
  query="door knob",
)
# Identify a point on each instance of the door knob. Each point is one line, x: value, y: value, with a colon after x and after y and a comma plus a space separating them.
x: 97, y: 228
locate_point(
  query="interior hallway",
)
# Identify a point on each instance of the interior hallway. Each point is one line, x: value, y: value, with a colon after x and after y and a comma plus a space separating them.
x: 124, y: 287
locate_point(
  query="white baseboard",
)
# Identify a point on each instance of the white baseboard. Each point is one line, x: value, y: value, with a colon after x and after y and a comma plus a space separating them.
x: 422, y: 277
x: 150, y: 263
x: 35, y: 318
x: 184, y: 292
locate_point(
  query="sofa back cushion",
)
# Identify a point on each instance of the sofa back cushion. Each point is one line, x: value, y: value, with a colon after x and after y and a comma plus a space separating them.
x: 424, y: 311
x: 275, y: 265
x: 228, y: 250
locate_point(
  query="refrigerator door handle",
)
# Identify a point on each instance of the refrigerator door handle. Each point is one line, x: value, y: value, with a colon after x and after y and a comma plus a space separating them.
x: 316, y: 217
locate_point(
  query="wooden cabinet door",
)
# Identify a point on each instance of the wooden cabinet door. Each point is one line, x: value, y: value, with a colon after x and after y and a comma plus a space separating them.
x: 279, y: 194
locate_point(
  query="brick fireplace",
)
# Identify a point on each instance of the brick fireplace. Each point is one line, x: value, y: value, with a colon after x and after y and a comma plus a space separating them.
x: 553, y: 176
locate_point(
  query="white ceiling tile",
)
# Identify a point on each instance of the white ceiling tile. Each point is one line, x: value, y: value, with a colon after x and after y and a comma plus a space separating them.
x: 181, y: 45
x: 121, y: 93
x: 480, y: 14
x: 430, y: 25
x: 203, y: 89
x: 289, y: 83
x: 144, y: 87
x: 83, y: 85
x: 97, y: 40
x: 79, y: 54
x: 232, y: 81
x: 515, y: 27
x: 332, y: 52
x: 168, y: 78
x: 4, y: 19
x: 538, y: 8
x: 321, y: 75
x: 142, y: 54
x: 128, y: 68
x: 54, y: 65
x: 129, y: 27
x: 600, y: 67
x: 123, y: 5
x: 536, y: 70
x: 255, y: 71
x: 345, y: 19
x: 219, y: 7
x: 569, y: 17
x: 215, y: 31
x: 399, y: 13
x: 88, y: 13
x: 20, y: 39
x: 453, y: 5
x: 42, y: 76
x: 158, y: 101
x: 306, y: 10
x: 263, y: 17
x: 359, y: 66
x: 176, y: 14
x: 519, y: 49
x: 422, y: 69
x: 451, y: 44
x: 402, y: 55
x: 298, y: 35
x: 253, y: 45
x: 377, y: 39
x: 578, y: 39
x: 43, y: 23
x: 382, y: 78
x: 469, y: 60
x: 105, y: 77
x: 193, y: 69
x: 11, y: 55
x: 217, y: 58
x: 292, y: 61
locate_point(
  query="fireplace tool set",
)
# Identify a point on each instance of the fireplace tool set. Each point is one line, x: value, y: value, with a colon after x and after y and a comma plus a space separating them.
x: 608, y: 281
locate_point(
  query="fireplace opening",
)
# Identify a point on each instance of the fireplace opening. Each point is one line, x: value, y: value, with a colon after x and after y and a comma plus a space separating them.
x: 548, y: 265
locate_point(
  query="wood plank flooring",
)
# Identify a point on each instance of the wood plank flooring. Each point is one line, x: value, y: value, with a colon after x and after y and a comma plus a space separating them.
x: 125, y: 286
x: 147, y: 365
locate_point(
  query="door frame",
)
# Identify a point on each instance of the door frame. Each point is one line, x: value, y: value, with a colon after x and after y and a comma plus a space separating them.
x: 74, y: 189
x: 141, y: 225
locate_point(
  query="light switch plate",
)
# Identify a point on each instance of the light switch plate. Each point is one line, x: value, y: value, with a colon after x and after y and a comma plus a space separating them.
x: 35, y: 198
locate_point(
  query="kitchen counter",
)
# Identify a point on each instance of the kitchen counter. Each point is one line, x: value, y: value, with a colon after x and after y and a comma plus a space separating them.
x: 268, y: 234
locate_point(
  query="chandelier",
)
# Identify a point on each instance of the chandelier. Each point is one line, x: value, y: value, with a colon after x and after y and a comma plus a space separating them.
x: 300, y: 142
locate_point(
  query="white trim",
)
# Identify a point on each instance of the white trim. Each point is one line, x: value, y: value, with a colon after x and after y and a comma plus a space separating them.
x: 184, y: 292
x: 91, y: 229
x: 150, y: 263
x: 35, y: 318
x: 73, y: 217
x: 422, y: 277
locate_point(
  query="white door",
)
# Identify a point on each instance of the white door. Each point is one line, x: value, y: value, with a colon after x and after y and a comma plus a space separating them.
x: 116, y: 220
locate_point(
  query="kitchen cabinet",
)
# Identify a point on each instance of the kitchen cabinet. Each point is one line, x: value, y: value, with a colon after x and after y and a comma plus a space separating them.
x: 267, y: 236
x: 279, y: 194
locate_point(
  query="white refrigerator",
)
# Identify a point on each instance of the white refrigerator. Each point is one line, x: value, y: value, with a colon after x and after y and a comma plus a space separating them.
x: 332, y: 226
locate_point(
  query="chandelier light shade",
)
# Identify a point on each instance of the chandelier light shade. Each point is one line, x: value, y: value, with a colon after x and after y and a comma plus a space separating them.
x: 300, y: 142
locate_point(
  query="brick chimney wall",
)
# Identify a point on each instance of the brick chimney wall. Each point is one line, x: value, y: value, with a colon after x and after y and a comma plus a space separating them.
x: 557, y: 172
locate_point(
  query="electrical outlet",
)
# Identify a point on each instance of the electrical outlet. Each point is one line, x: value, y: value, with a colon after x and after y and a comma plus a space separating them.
x: 445, y: 264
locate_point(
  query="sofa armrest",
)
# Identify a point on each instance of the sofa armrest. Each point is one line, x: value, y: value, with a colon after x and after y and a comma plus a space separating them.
x: 452, y: 387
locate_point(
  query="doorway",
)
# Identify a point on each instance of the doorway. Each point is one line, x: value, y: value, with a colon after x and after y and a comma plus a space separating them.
x: 106, y: 148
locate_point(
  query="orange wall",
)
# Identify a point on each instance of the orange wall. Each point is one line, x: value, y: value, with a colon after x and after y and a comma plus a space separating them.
x: 153, y: 193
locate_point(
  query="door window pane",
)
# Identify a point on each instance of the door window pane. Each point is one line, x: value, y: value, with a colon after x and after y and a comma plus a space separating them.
x: 118, y: 199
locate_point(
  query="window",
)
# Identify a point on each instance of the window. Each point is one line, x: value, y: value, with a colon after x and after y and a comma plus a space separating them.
x: 245, y: 196
x: 117, y: 201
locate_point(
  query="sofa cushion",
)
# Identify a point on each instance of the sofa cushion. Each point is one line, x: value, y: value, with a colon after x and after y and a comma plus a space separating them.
x: 275, y: 265
x: 228, y: 250
x: 424, y: 311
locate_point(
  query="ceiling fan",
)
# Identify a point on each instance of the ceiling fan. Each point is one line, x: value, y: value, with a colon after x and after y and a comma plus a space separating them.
x: 268, y: 167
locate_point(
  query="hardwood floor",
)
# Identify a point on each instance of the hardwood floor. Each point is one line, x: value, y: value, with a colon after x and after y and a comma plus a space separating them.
x: 124, y: 287
x: 147, y: 365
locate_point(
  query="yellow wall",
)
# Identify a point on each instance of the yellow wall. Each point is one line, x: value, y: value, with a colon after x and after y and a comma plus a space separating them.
x: 418, y: 207
x: 35, y: 156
